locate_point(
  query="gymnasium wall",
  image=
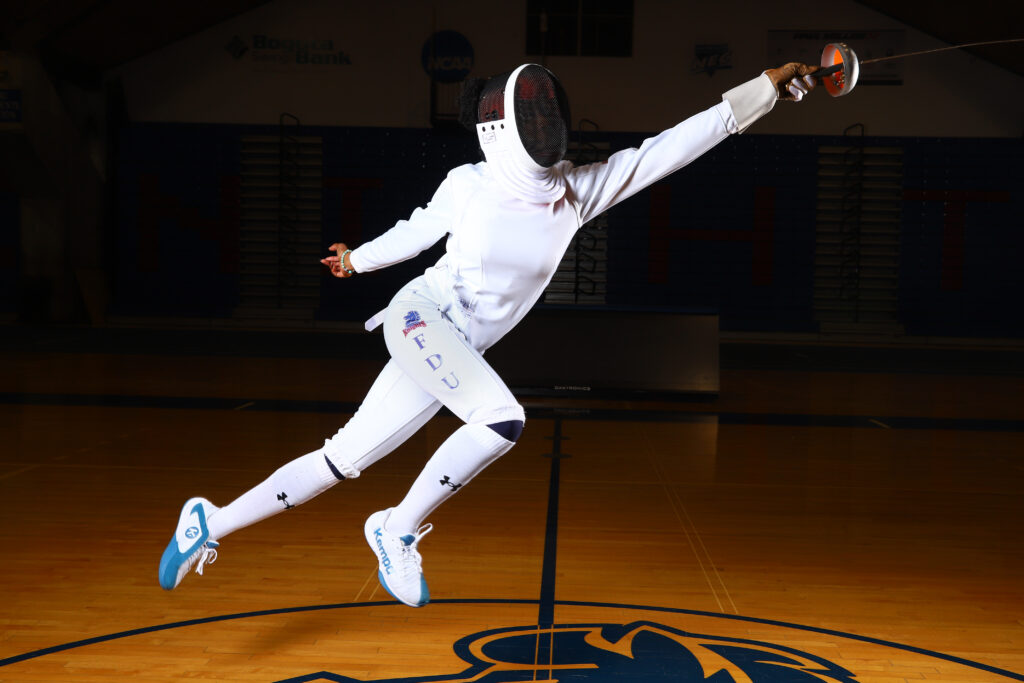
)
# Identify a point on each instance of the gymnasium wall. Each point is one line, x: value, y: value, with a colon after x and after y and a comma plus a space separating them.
x: 735, y: 231
x: 368, y: 69
x: 9, y: 251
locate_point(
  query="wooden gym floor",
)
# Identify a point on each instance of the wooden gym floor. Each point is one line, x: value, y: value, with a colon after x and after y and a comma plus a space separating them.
x: 833, y: 515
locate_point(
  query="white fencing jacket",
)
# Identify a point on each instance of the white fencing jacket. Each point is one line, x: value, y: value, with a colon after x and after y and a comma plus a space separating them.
x: 502, y: 252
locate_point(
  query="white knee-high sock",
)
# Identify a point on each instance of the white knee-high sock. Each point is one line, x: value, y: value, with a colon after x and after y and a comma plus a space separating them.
x: 293, y: 484
x: 461, y: 457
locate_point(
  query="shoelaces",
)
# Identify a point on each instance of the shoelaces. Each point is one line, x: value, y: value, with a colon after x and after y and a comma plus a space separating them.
x: 411, y: 560
x: 207, y: 555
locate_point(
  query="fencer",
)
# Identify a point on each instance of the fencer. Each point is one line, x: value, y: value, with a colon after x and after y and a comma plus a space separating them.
x: 507, y: 221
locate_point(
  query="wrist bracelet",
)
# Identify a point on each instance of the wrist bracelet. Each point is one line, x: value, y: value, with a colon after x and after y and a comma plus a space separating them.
x: 341, y: 261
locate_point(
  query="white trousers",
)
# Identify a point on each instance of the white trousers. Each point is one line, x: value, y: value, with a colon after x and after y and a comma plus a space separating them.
x: 432, y: 364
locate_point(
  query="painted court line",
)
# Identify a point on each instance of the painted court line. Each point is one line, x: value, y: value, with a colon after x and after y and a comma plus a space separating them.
x: 496, y: 601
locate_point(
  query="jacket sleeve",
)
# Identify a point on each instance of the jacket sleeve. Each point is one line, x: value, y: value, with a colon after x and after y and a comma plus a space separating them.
x: 600, y: 186
x: 407, y: 238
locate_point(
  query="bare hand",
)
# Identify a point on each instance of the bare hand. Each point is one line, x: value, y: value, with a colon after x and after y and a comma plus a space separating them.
x: 793, y: 81
x: 338, y: 269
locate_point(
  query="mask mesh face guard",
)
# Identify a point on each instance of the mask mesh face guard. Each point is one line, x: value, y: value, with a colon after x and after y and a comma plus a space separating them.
x: 523, y: 128
x: 542, y: 115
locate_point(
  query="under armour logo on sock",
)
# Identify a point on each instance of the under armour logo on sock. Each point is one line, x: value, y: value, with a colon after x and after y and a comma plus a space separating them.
x: 447, y: 482
x: 283, y: 497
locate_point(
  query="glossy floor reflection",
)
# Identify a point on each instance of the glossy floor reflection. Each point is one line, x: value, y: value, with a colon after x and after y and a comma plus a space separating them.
x: 844, y: 521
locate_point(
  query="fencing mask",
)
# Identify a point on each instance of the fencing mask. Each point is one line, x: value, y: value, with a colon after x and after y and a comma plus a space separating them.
x: 522, y: 123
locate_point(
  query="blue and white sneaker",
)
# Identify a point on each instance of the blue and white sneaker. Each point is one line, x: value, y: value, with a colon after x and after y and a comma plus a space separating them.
x: 399, y: 563
x: 190, y: 545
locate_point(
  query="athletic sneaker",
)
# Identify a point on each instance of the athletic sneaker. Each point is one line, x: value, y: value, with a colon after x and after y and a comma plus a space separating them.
x: 190, y: 545
x: 399, y: 563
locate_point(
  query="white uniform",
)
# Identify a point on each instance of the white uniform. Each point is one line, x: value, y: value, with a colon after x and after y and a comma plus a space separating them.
x: 501, y: 253
x: 503, y: 248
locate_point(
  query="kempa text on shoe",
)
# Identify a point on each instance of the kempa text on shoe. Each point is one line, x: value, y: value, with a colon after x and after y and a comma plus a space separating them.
x: 385, y: 561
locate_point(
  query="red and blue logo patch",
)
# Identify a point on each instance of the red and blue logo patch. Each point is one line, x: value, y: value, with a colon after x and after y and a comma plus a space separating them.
x: 412, y: 321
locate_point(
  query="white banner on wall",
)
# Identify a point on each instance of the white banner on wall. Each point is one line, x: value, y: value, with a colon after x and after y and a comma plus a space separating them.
x: 265, y: 52
x: 807, y: 46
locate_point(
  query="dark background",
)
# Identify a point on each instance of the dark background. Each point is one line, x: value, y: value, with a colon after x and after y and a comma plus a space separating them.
x: 158, y: 237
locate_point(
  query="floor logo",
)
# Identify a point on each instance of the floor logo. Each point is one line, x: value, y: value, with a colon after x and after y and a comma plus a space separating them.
x: 603, y: 653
